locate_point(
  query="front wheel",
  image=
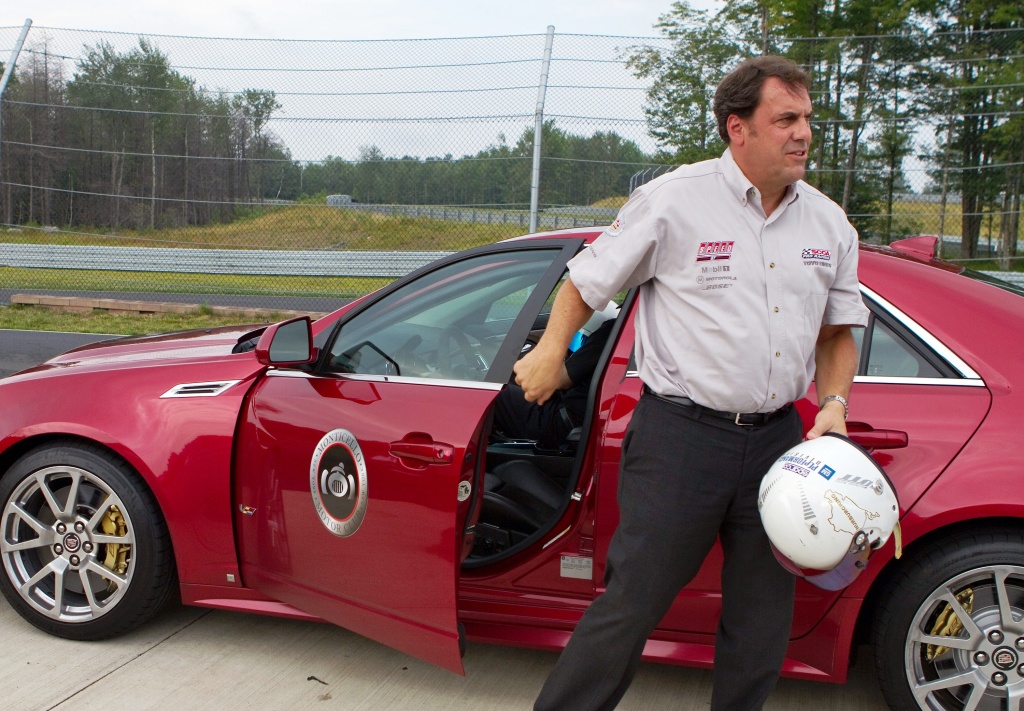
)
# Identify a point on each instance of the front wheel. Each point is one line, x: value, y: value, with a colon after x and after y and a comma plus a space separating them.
x: 949, y: 634
x: 86, y: 554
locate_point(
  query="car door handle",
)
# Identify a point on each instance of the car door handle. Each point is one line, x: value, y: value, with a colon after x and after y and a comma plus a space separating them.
x: 429, y: 452
x: 869, y: 438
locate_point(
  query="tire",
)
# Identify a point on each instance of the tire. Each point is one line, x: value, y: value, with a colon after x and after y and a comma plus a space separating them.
x: 949, y: 632
x: 86, y: 568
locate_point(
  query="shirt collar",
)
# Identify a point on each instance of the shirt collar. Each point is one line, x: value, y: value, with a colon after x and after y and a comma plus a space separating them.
x: 740, y: 185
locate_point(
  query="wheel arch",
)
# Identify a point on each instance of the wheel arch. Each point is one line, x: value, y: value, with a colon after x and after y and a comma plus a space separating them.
x: 22, y: 447
x: 893, y: 567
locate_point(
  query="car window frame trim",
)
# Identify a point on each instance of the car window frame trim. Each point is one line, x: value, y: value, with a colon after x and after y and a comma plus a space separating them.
x: 565, y: 248
x: 967, y: 375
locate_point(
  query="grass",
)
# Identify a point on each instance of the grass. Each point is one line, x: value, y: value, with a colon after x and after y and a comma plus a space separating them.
x: 290, y: 227
x: 614, y: 201
x: 35, y: 318
x: 926, y: 218
x: 90, y: 280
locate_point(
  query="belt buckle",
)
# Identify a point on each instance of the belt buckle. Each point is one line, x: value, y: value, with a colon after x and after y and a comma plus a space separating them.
x: 742, y: 424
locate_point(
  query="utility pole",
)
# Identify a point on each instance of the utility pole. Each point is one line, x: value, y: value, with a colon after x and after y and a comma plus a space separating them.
x: 8, y: 71
x: 538, y: 128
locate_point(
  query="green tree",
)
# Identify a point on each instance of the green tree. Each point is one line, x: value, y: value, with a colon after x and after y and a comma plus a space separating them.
x: 978, y: 82
x: 138, y: 93
x: 683, y: 79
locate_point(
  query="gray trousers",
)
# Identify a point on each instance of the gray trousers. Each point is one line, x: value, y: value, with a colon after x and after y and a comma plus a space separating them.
x: 686, y: 479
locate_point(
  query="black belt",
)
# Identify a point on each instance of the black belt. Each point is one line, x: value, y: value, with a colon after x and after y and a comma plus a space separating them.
x: 744, y: 419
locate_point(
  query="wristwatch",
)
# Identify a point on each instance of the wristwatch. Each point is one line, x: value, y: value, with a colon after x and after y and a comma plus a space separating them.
x: 841, y: 400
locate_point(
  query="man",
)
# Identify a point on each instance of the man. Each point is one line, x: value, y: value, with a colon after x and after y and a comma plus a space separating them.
x: 748, y: 290
x: 551, y: 422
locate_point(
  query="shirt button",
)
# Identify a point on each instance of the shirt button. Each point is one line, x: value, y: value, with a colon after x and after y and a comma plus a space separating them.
x: 773, y: 396
x: 772, y: 265
x: 777, y: 354
x: 776, y: 309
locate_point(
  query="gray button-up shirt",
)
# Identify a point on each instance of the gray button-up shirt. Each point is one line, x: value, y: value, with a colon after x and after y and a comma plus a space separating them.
x: 731, y: 301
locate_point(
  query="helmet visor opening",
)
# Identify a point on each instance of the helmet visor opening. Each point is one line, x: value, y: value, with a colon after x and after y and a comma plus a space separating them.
x: 844, y: 573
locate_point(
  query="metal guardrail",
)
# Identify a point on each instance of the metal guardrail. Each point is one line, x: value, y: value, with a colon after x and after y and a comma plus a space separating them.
x: 550, y: 219
x: 216, y: 261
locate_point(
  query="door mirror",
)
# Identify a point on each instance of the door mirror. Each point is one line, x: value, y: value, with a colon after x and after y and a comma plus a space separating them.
x: 287, y: 343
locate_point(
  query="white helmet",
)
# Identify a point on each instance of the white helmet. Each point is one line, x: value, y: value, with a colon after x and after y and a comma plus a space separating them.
x: 826, y: 506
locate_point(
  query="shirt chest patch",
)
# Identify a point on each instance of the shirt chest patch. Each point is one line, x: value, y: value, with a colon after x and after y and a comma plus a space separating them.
x: 714, y: 251
x: 813, y: 257
x: 714, y: 272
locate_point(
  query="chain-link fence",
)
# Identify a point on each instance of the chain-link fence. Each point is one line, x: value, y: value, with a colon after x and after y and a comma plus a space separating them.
x: 323, y: 169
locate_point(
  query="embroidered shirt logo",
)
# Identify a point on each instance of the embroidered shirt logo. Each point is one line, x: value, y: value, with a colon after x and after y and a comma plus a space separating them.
x: 816, y: 257
x: 714, y: 251
x: 820, y: 254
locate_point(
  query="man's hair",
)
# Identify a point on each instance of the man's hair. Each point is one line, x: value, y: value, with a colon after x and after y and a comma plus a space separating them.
x: 740, y: 91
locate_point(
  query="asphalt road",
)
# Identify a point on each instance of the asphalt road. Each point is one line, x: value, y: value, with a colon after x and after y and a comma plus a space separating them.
x: 24, y: 349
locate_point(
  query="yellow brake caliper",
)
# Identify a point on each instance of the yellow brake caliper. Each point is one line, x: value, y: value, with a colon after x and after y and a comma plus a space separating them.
x: 116, y: 558
x: 947, y: 624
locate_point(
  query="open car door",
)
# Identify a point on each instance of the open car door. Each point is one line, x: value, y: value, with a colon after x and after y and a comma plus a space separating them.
x: 356, y: 480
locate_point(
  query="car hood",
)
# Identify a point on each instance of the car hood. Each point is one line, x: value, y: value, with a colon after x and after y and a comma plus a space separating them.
x: 183, y: 346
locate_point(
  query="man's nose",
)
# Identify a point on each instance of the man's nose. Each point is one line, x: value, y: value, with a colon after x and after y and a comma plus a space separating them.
x: 802, y: 130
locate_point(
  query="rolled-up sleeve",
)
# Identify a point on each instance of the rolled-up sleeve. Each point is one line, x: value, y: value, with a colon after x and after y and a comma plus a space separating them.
x: 845, y: 306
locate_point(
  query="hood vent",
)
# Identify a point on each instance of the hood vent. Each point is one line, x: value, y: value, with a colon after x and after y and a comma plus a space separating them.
x: 200, y: 389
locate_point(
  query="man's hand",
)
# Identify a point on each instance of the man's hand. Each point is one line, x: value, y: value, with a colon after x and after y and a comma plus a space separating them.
x: 831, y: 418
x: 540, y: 373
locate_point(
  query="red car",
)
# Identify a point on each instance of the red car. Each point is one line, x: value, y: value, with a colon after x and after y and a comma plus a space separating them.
x: 346, y: 470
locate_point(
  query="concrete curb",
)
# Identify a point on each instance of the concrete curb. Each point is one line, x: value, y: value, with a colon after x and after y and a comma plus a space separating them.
x: 79, y: 304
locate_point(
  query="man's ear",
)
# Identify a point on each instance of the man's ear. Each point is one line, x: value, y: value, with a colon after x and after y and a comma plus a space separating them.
x: 736, y: 128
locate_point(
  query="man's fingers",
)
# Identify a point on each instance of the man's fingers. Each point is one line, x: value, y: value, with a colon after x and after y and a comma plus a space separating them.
x: 827, y: 421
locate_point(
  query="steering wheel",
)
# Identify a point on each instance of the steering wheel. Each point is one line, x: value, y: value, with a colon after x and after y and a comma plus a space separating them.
x: 474, y: 359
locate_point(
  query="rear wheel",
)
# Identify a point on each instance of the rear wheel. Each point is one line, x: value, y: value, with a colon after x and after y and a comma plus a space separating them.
x: 949, y: 635
x: 86, y: 554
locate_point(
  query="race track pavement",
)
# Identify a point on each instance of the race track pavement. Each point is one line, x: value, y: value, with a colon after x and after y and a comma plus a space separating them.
x: 193, y: 658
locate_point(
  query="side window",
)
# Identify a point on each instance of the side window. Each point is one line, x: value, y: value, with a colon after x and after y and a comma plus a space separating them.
x: 447, y: 324
x: 890, y: 354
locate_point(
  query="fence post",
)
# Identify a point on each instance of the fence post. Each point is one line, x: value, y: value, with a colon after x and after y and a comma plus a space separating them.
x: 539, y: 128
x: 8, y: 71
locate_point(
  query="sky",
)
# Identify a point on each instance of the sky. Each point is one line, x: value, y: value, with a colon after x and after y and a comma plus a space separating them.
x: 346, y: 19
x: 362, y: 20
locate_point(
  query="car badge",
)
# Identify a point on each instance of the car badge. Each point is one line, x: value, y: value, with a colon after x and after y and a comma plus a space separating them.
x: 337, y: 482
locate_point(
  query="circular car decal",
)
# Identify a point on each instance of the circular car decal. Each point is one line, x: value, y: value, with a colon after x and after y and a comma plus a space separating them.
x: 337, y: 481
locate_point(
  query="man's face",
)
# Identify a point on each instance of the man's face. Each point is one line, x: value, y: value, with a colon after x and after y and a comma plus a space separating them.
x: 771, y: 146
